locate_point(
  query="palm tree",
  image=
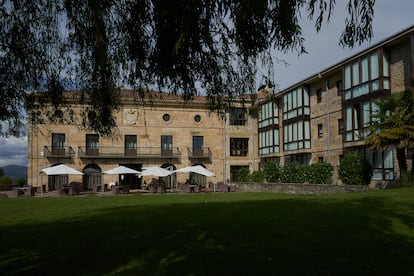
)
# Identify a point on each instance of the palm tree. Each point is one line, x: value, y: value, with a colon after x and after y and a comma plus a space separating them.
x: 393, y: 127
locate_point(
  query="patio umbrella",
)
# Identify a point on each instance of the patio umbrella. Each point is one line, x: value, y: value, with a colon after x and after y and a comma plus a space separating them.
x: 122, y: 170
x: 196, y: 169
x: 60, y: 170
x: 155, y: 171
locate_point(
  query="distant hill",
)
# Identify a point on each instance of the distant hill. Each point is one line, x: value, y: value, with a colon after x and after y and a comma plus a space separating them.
x: 15, y: 171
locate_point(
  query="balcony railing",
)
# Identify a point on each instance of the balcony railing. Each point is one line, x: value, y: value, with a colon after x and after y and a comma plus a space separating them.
x: 58, y: 152
x: 199, y: 153
x: 121, y: 152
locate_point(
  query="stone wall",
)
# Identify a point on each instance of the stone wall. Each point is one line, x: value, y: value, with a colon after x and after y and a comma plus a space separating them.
x: 304, y: 189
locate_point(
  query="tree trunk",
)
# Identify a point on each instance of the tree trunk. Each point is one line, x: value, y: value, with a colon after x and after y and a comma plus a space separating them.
x: 402, y: 164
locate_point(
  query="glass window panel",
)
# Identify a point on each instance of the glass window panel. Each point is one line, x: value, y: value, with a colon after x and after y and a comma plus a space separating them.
x: 198, y: 142
x: 364, y: 89
x: 374, y: 66
x: 375, y: 85
x: 347, y: 94
x: 385, y: 64
x: 388, y: 161
x: 276, y: 136
x: 376, y: 174
x: 355, y: 73
x: 294, y: 98
x: 348, y: 118
x: 306, y: 96
x: 364, y: 68
x: 347, y: 76
x: 367, y: 114
x: 299, y: 97
x: 386, y: 84
x: 300, y: 130
x: 295, y: 131
x: 285, y: 134
x: 307, y: 129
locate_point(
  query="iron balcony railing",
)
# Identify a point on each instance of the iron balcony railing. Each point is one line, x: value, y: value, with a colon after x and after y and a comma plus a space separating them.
x: 122, y: 152
x: 199, y: 153
x: 58, y: 152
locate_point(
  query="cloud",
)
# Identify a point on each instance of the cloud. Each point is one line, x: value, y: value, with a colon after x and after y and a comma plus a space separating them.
x: 13, y: 151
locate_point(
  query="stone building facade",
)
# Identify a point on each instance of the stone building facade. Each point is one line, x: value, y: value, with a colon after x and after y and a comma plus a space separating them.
x: 158, y: 130
x: 326, y: 115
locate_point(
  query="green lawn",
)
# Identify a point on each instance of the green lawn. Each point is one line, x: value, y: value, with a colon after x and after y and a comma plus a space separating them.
x: 370, y: 233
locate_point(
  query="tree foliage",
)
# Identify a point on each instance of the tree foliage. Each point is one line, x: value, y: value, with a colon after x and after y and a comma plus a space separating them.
x: 355, y: 169
x: 393, y: 126
x: 182, y: 46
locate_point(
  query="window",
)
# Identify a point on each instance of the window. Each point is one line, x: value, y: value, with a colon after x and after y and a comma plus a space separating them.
x: 92, y: 144
x: 320, y: 159
x: 58, y: 144
x: 367, y: 74
x: 340, y: 126
x: 320, y: 131
x: 340, y: 87
x: 239, y: 146
x: 304, y: 158
x: 269, y: 141
x: 296, y: 119
x: 197, y: 118
x: 358, y: 119
x: 297, y: 135
x: 268, y: 115
x: 166, y: 145
x: 238, y: 116
x: 382, y: 164
x: 130, y: 145
x: 319, y: 95
x: 198, y: 145
x: 234, y: 172
x: 166, y: 117
x: 296, y: 103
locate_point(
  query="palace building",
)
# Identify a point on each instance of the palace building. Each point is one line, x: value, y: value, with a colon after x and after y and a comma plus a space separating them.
x: 321, y: 117
x: 160, y: 130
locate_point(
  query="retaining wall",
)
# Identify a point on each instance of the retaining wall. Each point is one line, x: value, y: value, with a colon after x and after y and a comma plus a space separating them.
x: 305, y: 189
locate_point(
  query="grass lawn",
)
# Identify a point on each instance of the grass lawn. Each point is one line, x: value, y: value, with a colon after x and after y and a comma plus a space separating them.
x: 369, y: 233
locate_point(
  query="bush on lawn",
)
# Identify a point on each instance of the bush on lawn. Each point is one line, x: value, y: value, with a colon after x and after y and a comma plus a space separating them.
x: 355, y: 169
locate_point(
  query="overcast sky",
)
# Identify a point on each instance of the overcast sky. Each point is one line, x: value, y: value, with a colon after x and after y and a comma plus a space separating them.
x: 323, y: 51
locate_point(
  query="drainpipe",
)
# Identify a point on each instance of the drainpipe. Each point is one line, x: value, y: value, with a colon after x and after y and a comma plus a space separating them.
x: 224, y: 149
x: 328, y: 128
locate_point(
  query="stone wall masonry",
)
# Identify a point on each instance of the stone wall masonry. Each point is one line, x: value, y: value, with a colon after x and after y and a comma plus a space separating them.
x: 301, y: 189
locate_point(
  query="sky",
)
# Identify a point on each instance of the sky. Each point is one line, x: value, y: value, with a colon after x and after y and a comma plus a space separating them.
x: 390, y: 17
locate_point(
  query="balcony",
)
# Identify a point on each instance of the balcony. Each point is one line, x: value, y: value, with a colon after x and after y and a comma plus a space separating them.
x: 58, y: 152
x: 121, y: 152
x: 203, y: 153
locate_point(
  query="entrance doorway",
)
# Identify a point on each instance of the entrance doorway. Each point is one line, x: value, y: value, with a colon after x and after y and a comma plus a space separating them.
x: 131, y: 180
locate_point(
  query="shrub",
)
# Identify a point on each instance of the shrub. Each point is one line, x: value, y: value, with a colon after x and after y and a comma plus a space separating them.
x: 257, y: 177
x: 243, y: 175
x: 355, y: 169
x: 319, y: 173
x: 271, y: 172
x: 293, y: 173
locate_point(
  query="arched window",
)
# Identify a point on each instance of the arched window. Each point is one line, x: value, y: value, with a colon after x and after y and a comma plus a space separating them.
x: 92, y: 176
